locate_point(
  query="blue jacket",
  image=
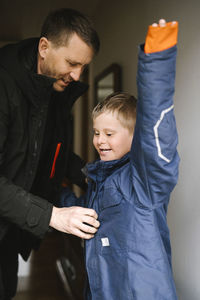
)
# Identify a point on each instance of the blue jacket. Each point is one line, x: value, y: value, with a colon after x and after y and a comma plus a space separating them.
x: 130, y: 257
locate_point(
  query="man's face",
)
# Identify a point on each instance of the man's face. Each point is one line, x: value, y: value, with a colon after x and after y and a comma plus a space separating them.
x: 111, y: 139
x: 64, y: 63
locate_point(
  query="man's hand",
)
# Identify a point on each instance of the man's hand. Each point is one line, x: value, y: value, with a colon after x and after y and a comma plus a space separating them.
x: 75, y: 220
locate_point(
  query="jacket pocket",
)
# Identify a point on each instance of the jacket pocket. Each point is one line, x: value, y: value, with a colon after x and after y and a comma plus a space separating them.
x: 110, y: 197
x: 116, y: 219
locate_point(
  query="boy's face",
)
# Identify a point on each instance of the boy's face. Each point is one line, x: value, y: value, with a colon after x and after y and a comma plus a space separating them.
x: 111, y: 139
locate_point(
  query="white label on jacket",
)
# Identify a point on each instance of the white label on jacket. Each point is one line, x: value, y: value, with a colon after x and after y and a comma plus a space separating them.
x: 105, y: 242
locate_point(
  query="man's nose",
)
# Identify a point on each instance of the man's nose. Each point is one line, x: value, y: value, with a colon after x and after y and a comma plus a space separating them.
x: 75, y: 74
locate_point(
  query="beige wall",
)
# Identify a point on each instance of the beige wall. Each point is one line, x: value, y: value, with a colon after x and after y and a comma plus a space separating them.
x: 122, y: 26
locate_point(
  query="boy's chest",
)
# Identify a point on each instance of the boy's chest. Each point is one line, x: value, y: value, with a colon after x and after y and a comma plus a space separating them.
x: 110, y: 200
x: 108, y: 194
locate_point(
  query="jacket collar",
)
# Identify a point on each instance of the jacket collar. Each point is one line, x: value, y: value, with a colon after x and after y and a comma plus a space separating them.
x: 99, y: 170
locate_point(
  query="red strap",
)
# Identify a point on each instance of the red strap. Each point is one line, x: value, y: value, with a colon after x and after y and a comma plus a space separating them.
x: 54, y: 161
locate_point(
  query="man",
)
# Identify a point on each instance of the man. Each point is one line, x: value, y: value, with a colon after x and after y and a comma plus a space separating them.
x: 38, y: 86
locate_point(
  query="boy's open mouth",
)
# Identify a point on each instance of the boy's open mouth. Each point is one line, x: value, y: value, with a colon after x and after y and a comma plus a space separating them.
x: 105, y: 150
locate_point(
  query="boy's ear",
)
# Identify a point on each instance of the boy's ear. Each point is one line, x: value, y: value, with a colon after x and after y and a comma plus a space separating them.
x: 43, y: 46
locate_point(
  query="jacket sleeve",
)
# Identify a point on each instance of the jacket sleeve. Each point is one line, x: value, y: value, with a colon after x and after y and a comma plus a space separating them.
x: 17, y: 206
x: 154, y: 155
x: 68, y: 198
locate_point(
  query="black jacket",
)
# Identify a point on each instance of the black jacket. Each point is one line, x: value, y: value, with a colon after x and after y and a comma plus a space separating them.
x: 34, y: 119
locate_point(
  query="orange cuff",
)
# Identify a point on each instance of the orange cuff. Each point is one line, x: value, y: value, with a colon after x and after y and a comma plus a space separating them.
x: 161, y: 38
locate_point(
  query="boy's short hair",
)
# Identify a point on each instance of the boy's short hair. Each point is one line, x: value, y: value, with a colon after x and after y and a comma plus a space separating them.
x: 123, y: 104
x: 60, y: 24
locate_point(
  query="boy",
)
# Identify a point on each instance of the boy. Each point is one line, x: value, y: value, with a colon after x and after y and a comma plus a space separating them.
x: 129, y: 187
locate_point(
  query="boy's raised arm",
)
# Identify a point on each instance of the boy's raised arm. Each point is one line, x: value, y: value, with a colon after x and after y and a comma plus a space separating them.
x: 153, y: 152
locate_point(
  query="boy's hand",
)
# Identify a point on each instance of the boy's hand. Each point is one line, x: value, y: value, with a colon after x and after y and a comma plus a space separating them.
x: 75, y: 220
x: 161, y: 36
x: 161, y: 23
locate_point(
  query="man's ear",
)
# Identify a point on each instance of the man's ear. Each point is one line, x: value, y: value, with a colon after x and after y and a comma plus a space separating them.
x: 43, y: 47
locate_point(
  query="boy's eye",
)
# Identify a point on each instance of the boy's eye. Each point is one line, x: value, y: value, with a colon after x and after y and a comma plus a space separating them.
x: 108, y: 134
x: 96, y: 133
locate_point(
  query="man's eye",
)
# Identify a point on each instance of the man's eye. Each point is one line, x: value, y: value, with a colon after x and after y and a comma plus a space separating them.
x: 72, y: 64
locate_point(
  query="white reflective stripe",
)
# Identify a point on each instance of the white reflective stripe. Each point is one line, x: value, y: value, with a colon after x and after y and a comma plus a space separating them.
x: 156, y: 133
x: 105, y: 242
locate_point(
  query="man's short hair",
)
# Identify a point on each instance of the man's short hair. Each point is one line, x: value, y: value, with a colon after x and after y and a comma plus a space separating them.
x: 123, y: 104
x: 61, y: 24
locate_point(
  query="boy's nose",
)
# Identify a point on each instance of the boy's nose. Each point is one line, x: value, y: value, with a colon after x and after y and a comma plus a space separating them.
x: 101, y: 139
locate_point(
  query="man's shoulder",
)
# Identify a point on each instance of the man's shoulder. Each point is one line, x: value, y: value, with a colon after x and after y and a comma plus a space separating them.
x: 5, y: 78
x: 14, y: 53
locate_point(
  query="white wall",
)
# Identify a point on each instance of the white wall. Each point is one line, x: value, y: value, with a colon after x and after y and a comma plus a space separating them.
x: 122, y: 26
